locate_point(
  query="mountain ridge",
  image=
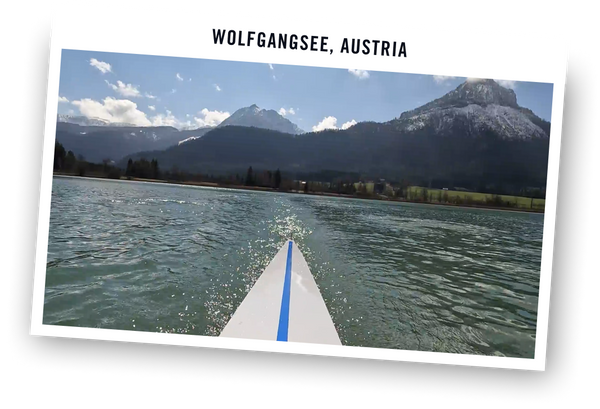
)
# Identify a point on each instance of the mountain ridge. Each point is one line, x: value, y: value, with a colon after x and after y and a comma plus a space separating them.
x: 476, y: 135
x: 84, y: 135
x: 87, y: 121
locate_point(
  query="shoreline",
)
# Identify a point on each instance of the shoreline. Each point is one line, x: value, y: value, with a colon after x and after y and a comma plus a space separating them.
x: 327, y: 194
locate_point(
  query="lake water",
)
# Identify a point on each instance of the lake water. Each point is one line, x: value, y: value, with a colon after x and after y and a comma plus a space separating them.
x: 167, y: 258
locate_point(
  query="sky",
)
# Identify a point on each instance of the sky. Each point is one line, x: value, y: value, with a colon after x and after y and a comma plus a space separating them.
x: 149, y: 90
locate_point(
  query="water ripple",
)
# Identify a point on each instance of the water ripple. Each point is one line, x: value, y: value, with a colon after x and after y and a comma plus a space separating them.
x: 151, y: 257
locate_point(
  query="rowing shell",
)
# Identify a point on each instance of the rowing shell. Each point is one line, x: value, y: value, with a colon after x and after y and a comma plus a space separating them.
x: 284, y: 304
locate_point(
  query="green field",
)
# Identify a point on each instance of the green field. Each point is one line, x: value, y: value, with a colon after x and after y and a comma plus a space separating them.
x: 474, y: 198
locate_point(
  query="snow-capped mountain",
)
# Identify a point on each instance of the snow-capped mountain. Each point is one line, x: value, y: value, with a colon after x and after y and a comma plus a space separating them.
x: 262, y: 118
x: 476, y: 107
x: 85, y: 121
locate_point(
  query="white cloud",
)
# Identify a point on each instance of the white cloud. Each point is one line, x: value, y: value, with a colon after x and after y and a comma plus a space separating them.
x: 166, y: 120
x: 62, y: 99
x: 104, y: 67
x: 271, y: 66
x: 442, y: 79
x: 330, y: 122
x: 217, y: 87
x: 170, y: 120
x: 173, y: 91
x: 210, y: 118
x: 150, y: 96
x: 204, y: 118
x: 504, y: 83
x: 284, y: 112
x: 113, y: 110
x: 348, y: 124
x: 126, y: 90
x: 360, y: 74
x: 125, y: 111
x: 507, y: 83
x: 179, y: 77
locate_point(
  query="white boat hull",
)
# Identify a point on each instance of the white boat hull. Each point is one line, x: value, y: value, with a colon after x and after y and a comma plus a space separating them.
x: 284, y: 304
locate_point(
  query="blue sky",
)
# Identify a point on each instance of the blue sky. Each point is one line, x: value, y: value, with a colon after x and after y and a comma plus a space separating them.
x: 188, y: 93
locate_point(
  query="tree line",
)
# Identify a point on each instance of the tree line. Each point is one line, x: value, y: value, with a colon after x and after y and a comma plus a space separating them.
x: 143, y: 168
x: 341, y: 183
x: 263, y: 179
x: 67, y: 162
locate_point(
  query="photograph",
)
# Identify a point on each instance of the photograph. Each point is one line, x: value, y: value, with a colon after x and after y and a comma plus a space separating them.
x: 363, y: 203
x: 299, y: 204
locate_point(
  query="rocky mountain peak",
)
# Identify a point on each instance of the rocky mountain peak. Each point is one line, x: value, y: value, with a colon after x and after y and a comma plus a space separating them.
x: 483, y: 92
x: 475, y: 107
x: 254, y: 116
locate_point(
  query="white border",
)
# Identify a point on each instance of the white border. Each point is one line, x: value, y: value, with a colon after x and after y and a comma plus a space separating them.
x: 542, y: 64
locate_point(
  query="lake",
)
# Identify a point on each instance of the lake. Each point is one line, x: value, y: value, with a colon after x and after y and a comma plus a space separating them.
x: 170, y: 258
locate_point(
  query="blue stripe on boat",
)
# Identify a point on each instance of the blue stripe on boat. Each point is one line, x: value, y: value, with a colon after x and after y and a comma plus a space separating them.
x: 284, y: 314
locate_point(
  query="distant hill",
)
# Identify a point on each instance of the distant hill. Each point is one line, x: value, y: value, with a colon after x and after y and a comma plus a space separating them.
x: 97, y: 143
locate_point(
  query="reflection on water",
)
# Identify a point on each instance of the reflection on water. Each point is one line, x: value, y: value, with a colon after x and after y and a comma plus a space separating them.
x: 166, y: 258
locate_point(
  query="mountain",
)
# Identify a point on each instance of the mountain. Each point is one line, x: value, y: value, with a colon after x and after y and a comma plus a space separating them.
x: 475, y: 107
x: 96, y: 143
x: 475, y: 137
x: 253, y: 116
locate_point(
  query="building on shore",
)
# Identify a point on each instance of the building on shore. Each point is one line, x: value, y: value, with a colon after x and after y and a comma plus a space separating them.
x: 384, y: 188
x: 365, y: 187
x: 312, y: 186
x: 388, y: 190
